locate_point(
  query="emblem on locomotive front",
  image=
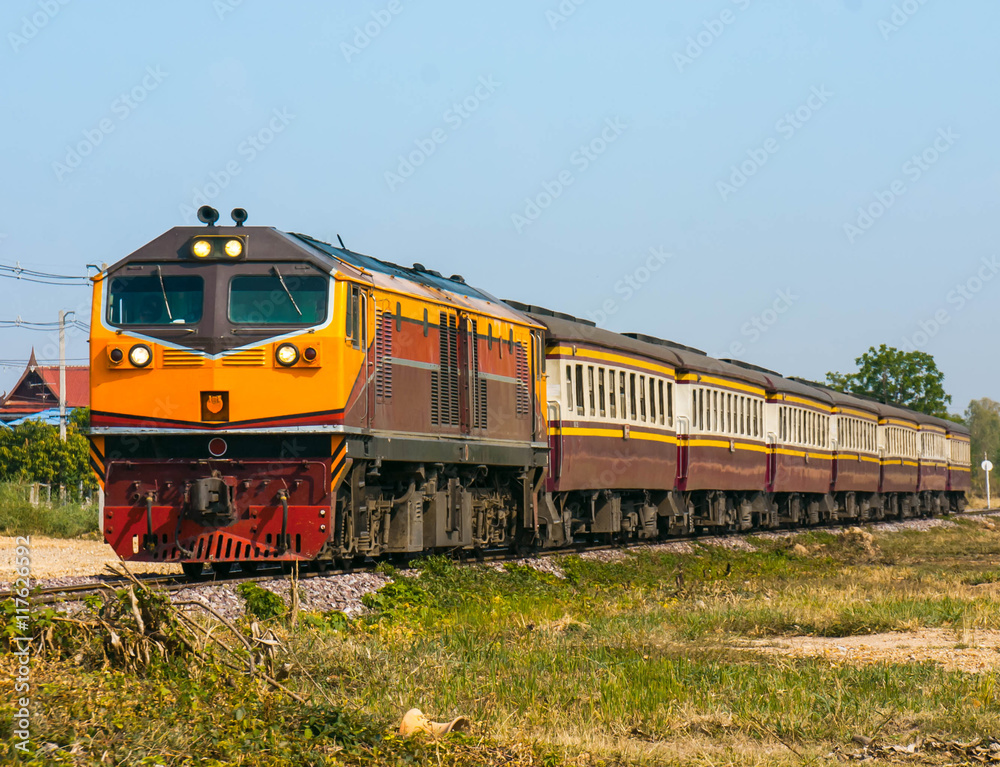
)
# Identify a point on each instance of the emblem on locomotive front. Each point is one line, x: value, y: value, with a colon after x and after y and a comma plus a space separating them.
x: 215, y: 406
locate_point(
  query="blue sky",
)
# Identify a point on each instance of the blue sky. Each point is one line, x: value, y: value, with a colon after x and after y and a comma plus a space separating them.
x: 789, y: 182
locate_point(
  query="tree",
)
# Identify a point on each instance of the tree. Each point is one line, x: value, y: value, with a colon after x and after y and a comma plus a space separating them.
x: 33, y: 452
x: 983, y: 418
x: 910, y: 379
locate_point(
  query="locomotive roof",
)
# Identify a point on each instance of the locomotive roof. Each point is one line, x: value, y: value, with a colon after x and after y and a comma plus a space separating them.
x: 266, y: 243
x: 417, y: 273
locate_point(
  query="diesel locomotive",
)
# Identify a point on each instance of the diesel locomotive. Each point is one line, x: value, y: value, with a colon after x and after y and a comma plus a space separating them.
x: 263, y: 396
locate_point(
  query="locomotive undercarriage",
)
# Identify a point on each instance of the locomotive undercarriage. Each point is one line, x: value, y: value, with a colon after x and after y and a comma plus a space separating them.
x: 407, y: 508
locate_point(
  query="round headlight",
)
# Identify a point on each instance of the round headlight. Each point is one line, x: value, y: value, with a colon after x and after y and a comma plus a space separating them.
x: 116, y: 355
x: 140, y: 355
x: 287, y: 355
x: 309, y: 355
x: 202, y: 248
x: 234, y: 248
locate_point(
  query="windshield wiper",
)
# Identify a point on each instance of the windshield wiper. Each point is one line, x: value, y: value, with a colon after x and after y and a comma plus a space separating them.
x: 287, y: 291
x: 163, y: 290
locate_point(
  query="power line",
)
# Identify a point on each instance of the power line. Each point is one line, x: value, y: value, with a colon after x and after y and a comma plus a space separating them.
x: 42, y: 326
x: 18, y: 272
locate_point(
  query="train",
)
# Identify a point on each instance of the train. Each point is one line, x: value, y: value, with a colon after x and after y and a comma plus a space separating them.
x: 260, y: 396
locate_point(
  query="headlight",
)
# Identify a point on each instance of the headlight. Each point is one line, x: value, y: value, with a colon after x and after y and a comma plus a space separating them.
x: 287, y: 355
x: 116, y: 355
x: 203, y: 248
x: 140, y: 355
x: 234, y: 248
x: 309, y: 355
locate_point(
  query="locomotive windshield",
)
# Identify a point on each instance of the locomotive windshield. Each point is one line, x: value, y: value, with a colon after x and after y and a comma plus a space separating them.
x: 156, y: 299
x: 279, y: 297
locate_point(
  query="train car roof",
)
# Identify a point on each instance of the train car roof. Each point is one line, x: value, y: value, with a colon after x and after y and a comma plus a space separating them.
x: 567, y: 328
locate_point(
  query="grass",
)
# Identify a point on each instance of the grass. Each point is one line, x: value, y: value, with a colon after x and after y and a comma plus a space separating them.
x: 640, y: 661
x: 60, y: 520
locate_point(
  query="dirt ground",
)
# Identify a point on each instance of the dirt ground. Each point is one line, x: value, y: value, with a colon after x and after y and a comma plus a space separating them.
x: 970, y: 650
x: 59, y: 557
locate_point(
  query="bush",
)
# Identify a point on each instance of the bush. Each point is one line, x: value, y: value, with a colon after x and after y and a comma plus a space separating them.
x: 261, y: 603
x: 19, y: 517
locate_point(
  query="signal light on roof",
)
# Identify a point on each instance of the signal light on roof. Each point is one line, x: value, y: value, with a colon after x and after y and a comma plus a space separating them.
x: 218, y: 246
x: 201, y: 248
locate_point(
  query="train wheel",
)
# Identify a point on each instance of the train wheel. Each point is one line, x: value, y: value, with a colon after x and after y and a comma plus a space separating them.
x: 222, y: 568
x: 248, y: 568
x: 193, y: 570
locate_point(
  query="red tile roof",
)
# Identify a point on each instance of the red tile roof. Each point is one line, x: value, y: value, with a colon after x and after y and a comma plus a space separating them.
x: 38, y: 389
x: 77, y: 384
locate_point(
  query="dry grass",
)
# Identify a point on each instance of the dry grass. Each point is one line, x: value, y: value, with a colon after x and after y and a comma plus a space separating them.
x: 619, y: 664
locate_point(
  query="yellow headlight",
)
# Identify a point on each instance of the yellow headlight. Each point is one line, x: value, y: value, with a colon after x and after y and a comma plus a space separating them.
x: 234, y: 248
x: 140, y: 355
x: 287, y: 355
x: 202, y: 248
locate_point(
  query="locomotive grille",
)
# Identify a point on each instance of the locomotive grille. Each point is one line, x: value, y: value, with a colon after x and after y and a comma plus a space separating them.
x: 245, y: 358
x: 176, y: 358
x: 523, y: 403
x: 383, y: 355
x: 444, y: 382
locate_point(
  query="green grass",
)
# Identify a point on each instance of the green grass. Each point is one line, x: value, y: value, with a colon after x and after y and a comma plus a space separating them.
x: 646, y: 660
x: 67, y: 520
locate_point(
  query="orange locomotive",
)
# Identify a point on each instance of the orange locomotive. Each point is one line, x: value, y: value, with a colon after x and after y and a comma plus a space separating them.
x: 262, y: 396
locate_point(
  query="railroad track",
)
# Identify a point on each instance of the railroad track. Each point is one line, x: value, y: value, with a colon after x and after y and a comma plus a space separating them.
x: 170, y: 583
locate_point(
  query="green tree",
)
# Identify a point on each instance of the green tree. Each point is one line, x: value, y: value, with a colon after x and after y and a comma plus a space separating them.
x: 889, y: 375
x: 983, y: 418
x: 33, y: 452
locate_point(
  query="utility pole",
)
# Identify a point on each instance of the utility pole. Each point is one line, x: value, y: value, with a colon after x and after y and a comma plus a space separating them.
x: 62, y: 375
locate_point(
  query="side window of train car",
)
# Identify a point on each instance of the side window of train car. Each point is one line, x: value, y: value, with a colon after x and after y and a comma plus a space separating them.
x: 642, y: 398
x: 670, y: 403
x: 569, y: 388
x: 591, y: 394
x: 612, y: 394
x: 600, y: 391
x: 631, y: 397
x: 621, y: 394
x: 652, y: 399
x: 579, y: 389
